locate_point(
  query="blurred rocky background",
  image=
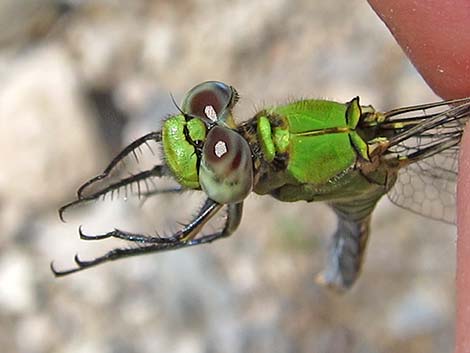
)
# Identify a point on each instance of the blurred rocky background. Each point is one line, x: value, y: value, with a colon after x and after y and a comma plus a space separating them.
x: 81, y: 79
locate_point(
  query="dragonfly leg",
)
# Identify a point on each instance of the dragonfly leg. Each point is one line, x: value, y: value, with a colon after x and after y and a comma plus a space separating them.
x: 148, y: 244
x: 156, y: 171
x: 131, y: 148
x: 207, y: 211
x: 172, y: 190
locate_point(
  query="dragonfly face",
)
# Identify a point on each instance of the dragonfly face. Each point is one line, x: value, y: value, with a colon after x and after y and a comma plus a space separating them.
x: 313, y: 150
x: 202, y: 151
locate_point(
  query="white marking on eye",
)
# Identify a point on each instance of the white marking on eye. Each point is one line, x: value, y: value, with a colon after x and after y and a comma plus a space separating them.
x: 220, y: 148
x: 210, y: 112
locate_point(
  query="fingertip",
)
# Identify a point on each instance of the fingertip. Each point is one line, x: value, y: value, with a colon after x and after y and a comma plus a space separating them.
x: 463, y: 247
x: 435, y: 35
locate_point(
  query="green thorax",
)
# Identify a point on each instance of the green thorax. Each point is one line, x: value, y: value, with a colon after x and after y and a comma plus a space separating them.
x: 309, y: 142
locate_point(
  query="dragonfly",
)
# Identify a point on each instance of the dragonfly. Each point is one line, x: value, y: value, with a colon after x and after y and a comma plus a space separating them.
x: 345, y: 154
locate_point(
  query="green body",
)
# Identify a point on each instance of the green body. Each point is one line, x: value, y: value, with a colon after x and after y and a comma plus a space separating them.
x: 308, y: 150
x: 313, y: 150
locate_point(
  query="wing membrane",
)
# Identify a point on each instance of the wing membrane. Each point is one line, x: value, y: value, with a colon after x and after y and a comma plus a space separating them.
x: 427, y: 145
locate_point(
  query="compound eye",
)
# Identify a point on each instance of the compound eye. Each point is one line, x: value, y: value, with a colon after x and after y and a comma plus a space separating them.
x: 209, y: 100
x: 226, y: 171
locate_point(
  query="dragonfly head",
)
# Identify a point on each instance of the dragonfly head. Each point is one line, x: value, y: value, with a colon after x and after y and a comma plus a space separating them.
x: 202, y: 149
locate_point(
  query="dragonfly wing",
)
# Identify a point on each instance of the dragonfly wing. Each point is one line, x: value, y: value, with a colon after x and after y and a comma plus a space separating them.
x: 427, y: 146
x: 428, y: 186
